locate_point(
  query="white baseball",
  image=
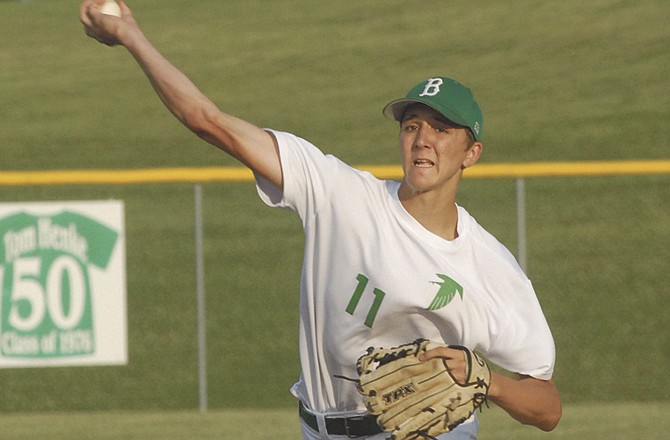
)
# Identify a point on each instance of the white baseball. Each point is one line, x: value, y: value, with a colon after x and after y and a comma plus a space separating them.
x: 111, y: 8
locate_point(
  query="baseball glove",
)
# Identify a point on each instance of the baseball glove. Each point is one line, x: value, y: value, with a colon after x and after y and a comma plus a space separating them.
x: 418, y: 400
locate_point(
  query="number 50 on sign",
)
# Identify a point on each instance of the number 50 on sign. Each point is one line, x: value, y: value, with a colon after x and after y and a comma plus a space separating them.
x: 62, y: 275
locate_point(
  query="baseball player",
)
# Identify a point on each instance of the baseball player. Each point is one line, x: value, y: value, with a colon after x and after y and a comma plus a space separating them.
x: 385, y: 262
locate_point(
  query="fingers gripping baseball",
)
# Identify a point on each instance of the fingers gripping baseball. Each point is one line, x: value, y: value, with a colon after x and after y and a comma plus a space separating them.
x: 104, y: 27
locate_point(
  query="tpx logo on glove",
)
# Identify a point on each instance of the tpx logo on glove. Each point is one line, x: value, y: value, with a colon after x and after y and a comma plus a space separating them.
x: 398, y: 394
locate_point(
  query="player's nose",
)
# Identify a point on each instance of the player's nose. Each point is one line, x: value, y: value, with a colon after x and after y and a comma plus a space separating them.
x: 422, y: 138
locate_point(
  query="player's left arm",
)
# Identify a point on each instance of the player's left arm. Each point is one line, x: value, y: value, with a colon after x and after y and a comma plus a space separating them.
x: 528, y: 400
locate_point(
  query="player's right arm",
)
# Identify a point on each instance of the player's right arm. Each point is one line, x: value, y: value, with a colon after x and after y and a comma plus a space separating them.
x: 251, y: 145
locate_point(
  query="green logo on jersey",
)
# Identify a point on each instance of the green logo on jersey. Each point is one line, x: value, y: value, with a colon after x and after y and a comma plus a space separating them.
x: 448, y: 289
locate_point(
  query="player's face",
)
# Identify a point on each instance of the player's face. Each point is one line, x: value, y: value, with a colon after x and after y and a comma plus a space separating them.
x: 434, y: 150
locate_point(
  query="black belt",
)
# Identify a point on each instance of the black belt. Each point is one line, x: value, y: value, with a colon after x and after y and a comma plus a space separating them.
x: 357, y: 426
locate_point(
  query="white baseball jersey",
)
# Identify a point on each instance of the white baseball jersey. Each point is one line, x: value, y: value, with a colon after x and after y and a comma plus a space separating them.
x: 373, y: 276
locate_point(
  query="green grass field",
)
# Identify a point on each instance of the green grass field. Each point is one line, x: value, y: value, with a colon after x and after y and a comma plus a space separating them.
x: 593, y: 421
x: 558, y: 81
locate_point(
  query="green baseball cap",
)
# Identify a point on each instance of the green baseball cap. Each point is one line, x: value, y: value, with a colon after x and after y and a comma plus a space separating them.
x: 449, y: 97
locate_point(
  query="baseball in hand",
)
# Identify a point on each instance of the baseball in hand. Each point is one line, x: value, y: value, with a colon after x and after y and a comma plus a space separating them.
x: 111, y: 8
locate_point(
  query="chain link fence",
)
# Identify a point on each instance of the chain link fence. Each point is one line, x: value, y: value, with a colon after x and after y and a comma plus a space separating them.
x: 595, y: 245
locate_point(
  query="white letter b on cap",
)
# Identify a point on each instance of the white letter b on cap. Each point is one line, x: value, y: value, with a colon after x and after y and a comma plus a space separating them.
x: 432, y: 87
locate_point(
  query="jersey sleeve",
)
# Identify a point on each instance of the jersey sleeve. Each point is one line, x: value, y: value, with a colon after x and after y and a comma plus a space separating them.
x: 308, y: 176
x: 514, y: 333
x: 525, y: 344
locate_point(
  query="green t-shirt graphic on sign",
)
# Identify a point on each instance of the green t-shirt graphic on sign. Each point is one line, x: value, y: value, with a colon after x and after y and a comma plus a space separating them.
x: 45, y: 262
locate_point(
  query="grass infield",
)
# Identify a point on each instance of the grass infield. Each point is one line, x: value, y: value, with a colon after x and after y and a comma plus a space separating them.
x: 620, y: 421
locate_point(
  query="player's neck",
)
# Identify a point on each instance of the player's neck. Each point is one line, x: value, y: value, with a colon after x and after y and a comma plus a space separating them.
x: 433, y: 212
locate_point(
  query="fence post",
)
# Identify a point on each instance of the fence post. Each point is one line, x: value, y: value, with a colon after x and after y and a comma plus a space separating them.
x: 522, y: 255
x: 200, y: 300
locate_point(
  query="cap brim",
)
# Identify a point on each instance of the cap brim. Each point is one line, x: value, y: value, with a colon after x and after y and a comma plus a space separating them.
x: 395, y: 109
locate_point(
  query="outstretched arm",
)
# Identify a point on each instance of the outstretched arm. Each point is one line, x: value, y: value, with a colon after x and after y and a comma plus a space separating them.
x: 529, y: 400
x: 251, y: 145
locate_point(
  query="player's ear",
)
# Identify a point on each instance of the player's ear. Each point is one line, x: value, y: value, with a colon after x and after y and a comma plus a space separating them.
x: 473, y: 154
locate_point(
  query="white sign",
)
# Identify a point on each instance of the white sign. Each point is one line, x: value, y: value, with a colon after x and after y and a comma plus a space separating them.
x: 63, y: 284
